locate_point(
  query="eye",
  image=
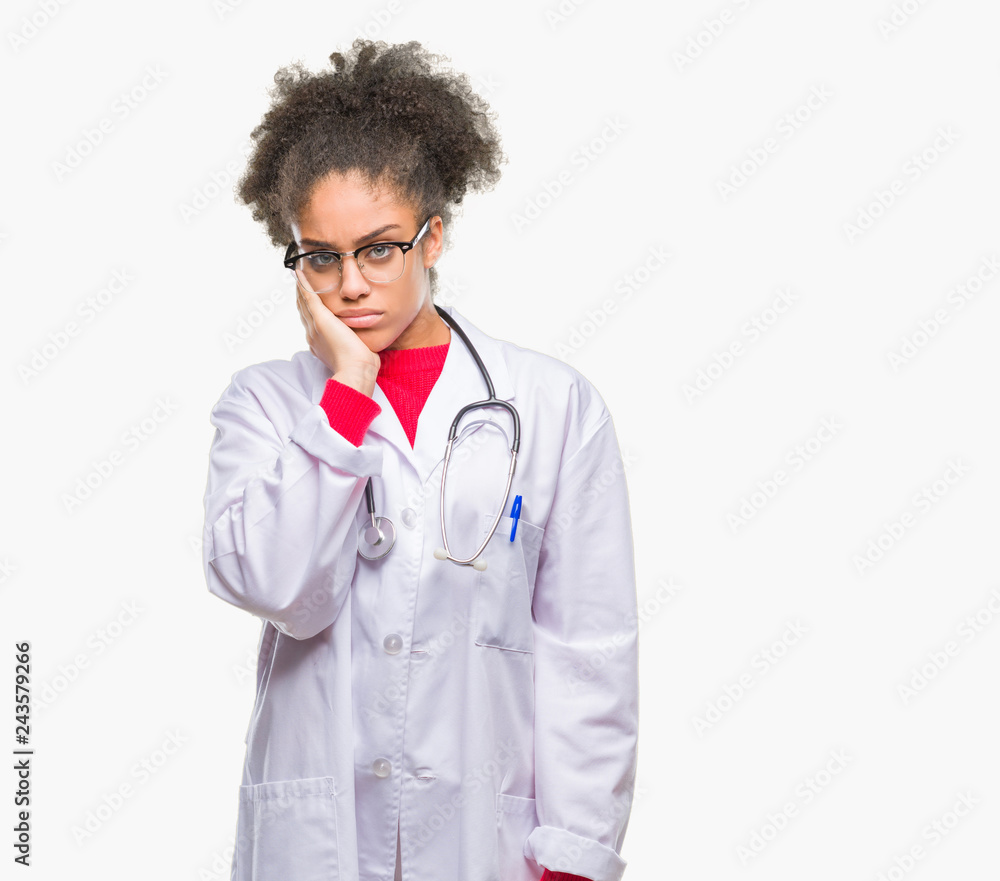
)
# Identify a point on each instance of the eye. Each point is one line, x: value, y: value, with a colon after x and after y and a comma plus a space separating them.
x: 321, y: 260
x: 379, y: 253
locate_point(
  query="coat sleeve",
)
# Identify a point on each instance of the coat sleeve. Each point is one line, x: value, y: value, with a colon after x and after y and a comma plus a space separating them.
x: 279, y: 537
x: 586, y: 666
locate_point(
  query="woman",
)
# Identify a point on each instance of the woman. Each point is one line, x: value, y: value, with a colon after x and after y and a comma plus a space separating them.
x: 454, y: 721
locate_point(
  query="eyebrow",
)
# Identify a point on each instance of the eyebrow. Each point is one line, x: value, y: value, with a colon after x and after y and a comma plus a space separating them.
x: 366, y: 238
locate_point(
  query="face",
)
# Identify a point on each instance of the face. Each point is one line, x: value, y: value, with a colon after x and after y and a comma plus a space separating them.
x: 342, y: 215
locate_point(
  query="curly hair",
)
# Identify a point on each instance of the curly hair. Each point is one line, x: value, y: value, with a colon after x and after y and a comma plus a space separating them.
x: 384, y: 111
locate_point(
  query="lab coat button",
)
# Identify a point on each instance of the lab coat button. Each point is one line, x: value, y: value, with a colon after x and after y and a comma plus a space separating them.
x: 409, y: 518
x: 381, y: 767
x: 393, y: 643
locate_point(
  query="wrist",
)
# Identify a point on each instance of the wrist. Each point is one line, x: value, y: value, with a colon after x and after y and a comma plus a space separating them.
x: 360, y: 377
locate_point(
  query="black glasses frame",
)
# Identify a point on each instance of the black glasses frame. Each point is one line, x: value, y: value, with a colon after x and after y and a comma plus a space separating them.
x: 289, y: 260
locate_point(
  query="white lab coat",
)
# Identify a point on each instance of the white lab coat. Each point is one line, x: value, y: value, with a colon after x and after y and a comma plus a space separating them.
x: 491, y: 715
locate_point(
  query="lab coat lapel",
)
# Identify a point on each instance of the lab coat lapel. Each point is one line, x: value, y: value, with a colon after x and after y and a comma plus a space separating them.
x: 460, y: 383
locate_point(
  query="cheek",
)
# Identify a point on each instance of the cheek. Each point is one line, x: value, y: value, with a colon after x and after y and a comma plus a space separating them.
x: 410, y: 301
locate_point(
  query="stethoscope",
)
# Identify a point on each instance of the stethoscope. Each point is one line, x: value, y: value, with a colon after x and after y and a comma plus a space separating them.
x: 376, y: 538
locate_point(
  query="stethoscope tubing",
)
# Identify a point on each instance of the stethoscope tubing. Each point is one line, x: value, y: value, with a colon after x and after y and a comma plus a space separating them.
x: 382, y: 530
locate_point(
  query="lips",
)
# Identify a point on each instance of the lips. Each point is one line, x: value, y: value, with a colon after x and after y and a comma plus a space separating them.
x: 360, y: 318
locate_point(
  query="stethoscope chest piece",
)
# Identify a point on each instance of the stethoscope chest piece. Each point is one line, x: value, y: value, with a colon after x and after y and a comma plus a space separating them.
x: 378, y: 535
x: 376, y: 540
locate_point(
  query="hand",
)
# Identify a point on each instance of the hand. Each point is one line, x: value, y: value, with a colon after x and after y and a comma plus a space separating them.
x: 336, y: 344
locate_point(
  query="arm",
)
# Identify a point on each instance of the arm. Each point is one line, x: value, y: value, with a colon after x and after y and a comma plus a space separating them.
x: 279, y: 536
x: 348, y: 410
x: 586, y: 667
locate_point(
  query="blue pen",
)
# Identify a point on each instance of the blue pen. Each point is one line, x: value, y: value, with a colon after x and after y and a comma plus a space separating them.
x: 515, y: 512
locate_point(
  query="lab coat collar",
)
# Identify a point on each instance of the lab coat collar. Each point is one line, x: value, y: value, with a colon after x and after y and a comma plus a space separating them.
x: 460, y: 383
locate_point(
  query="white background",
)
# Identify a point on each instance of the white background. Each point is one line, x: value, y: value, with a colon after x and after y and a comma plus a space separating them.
x: 181, y: 665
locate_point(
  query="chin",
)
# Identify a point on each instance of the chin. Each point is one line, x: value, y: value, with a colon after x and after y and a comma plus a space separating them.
x: 376, y: 340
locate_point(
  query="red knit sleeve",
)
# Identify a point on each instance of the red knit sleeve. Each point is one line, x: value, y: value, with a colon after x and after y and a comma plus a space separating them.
x: 349, y: 411
x: 549, y: 875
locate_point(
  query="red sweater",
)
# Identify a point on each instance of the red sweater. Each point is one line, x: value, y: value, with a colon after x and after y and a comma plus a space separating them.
x: 407, y: 377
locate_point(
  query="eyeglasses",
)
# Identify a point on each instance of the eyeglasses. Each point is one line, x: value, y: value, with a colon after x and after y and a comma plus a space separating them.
x: 322, y: 271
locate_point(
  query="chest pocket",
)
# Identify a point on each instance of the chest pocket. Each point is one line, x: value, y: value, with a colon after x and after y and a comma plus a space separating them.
x: 504, y: 589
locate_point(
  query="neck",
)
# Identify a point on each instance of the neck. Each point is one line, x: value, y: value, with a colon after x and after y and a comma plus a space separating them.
x: 427, y: 329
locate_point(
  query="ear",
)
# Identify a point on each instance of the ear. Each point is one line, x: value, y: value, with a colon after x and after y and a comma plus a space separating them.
x: 433, y: 242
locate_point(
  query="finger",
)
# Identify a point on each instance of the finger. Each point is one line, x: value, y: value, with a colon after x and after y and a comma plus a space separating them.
x: 317, y: 309
x: 323, y: 321
x: 310, y: 301
x: 306, y: 316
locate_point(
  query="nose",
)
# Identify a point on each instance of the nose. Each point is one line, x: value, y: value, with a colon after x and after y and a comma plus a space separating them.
x: 352, y: 283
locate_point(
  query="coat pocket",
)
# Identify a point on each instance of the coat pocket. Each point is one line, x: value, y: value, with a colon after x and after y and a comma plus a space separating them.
x: 504, y: 589
x: 288, y: 830
x: 516, y: 818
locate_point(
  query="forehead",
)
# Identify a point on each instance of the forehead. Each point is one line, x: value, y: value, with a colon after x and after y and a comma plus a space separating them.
x: 343, y: 209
